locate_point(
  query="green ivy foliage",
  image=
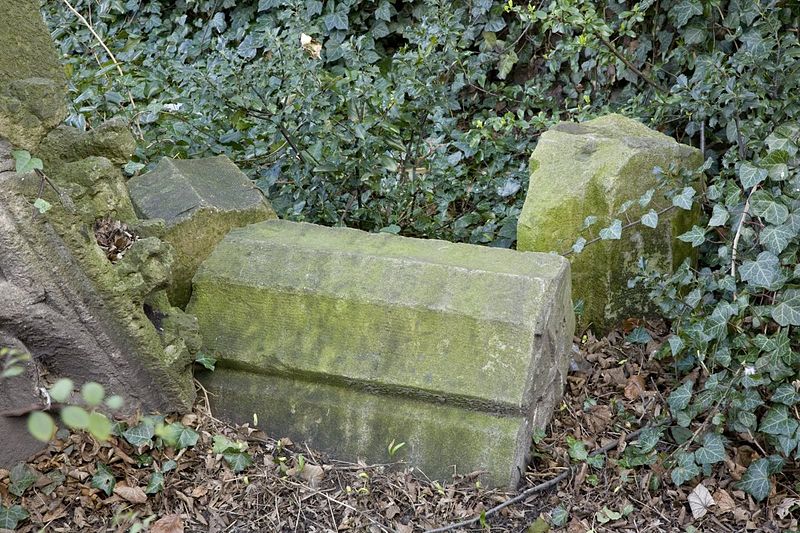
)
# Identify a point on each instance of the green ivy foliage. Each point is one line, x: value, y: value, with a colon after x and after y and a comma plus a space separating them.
x: 418, y: 117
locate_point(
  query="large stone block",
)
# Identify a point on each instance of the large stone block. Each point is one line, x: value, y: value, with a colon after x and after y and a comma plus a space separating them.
x: 350, y: 340
x: 32, y: 82
x: 200, y: 200
x: 578, y: 170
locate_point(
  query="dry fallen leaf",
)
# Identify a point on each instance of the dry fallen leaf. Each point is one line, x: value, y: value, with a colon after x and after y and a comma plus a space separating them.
x: 786, y: 506
x: 635, y: 387
x: 725, y: 502
x: 312, y: 474
x: 131, y: 494
x: 700, y: 500
x: 169, y: 524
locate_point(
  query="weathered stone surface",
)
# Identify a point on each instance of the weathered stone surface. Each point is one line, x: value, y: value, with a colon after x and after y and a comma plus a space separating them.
x: 592, y: 168
x: 200, y: 200
x: 61, y: 300
x: 32, y: 92
x: 61, y: 296
x: 349, y: 340
x: 112, y: 140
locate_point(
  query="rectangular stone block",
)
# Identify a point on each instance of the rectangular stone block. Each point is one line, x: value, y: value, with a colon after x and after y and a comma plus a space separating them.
x: 592, y: 169
x: 350, y: 340
x: 199, y: 200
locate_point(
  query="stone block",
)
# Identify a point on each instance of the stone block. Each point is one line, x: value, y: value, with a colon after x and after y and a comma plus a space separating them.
x: 32, y: 81
x: 200, y: 200
x: 592, y: 168
x: 350, y: 340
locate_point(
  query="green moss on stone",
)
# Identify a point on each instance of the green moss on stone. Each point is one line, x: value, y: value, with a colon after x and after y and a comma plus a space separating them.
x: 578, y: 170
x: 352, y: 424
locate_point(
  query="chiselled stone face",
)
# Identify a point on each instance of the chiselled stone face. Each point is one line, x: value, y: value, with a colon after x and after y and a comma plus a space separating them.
x: 591, y: 169
x: 457, y: 350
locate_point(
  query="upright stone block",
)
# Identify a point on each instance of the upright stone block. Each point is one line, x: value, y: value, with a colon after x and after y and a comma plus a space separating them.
x: 32, y: 81
x: 592, y: 168
x: 350, y: 340
x: 200, y: 200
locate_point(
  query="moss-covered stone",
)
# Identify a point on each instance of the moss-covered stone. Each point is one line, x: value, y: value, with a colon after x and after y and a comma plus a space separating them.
x: 32, y: 82
x: 200, y: 200
x: 61, y: 299
x: 111, y: 139
x: 354, y: 423
x: 453, y: 327
x: 578, y: 170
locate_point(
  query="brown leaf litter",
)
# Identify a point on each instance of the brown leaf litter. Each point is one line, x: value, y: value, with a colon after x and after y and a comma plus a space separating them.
x: 616, y: 389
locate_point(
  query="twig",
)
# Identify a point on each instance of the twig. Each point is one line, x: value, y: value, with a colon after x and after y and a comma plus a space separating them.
x: 544, y: 485
x: 337, y: 502
x: 738, y: 234
x: 64, y: 198
x: 103, y: 44
x: 631, y: 66
x: 96, y: 36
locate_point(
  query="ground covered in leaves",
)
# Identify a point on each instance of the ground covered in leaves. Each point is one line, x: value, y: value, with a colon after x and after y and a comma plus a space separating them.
x: 614, y: 389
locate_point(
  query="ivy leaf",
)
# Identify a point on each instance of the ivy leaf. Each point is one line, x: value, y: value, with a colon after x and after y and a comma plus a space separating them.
x: 685, y: 10
x: 24, y: 163
x: 777, y: 421
x: 140, y: 434
x: 103, y: 479
x: 650, y: 219
x: 679, y: 399
x: 685, y: 470
x: 577, y: 449
x: 205, y: 360
x: 676, y: 344
x: 696, y: 236
x: 785, y: 394
x: 177, y: 435
x: 755, y: 481
x: 763, y: 204
x: 639, y: 336
x: 762, y: 272
x: 648, y: 439
x: 336, y: 21
x: 645, y: 199
x: 22, y: 477
x: 507, y: 62
x: 787, y: 312
x: 559, y: 516
x: 775, y: 238
x: 712, y: 451
x: 10, y: 517
x: 589, y: 221
x: 719, y: 216
x: 238, y: 461
x: 580, y: 243
x: 155, y: 484
x: 612, y: 232
x: 751, y: 175
x: 42, y: 205
x: 684, y: 199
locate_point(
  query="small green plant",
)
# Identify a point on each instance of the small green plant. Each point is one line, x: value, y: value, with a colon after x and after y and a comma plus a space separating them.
x: 234, y: 452
x: 25, y: 163
x: 393, y: 448
x: 205, y: 360
x: 12, y: 362
x: 42, y: 426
